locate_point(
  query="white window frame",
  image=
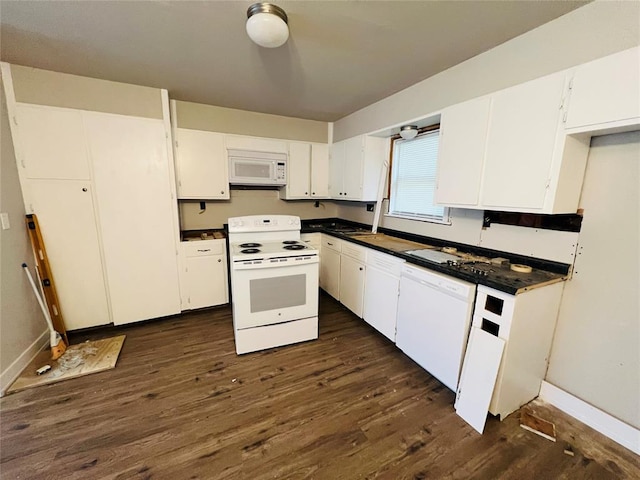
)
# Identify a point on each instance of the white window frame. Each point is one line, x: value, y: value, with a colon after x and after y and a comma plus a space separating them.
x: 445, y: 220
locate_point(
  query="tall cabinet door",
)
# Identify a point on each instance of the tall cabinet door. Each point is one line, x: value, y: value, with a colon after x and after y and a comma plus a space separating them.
x: 336, y: 170
x: 135, y: 205
x: 66, y: 216
x: 353, y: 164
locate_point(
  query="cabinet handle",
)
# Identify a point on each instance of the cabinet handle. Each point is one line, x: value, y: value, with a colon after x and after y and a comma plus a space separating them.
x: 306, y: 193
x: 222, y: 192
x: 328, y: 243
x: 361, y: 268
x: 219, y: 260
x: 204, y: 250
x: 313, y: 193
x: 84, y: 189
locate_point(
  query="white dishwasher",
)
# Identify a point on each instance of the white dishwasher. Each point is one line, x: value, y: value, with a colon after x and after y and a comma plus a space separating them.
x: 434, y: 317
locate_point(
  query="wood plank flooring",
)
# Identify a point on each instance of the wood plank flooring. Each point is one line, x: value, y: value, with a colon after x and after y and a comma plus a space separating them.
x: 180, y: 404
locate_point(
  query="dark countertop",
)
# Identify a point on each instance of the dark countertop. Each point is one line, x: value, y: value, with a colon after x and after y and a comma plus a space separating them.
x: 498, y: 276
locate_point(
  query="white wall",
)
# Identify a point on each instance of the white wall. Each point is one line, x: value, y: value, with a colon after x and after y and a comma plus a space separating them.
x: 22, y: 324
x: 596, y: 349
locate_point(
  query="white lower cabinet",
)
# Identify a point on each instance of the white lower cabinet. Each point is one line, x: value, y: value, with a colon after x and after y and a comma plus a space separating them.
x: 352, y: 273
x: 381, y: 289
x: 526, y: 323
x: 330, y: 265
x: 204, y: 274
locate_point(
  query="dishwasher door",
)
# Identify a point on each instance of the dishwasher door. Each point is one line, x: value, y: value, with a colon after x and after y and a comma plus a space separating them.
x: 434, y: 317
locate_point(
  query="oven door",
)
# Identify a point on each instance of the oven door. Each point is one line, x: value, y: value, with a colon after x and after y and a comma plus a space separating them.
x: 265, y: 296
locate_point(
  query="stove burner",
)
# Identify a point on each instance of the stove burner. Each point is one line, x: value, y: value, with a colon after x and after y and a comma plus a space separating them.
x: 297, y: 246
x: 250, y: 250
x: 250, y: 245
x: 290, y: 242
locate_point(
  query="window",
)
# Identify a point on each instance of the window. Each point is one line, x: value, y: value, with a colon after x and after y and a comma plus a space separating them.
x: 413, y: 179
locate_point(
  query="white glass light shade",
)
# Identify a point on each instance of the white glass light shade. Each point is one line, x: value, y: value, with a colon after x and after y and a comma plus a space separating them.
x: 267, y: 30
x: 408, y: 132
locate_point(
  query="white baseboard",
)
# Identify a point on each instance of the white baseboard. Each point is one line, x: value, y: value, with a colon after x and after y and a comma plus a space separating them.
x: 616, y: 430
x: 14, y: 370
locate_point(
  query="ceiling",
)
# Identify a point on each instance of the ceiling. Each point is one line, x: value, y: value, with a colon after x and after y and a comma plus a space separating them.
x: 341, y: 55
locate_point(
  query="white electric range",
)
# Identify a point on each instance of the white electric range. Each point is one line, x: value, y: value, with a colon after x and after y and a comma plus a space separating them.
x: 274, y: 282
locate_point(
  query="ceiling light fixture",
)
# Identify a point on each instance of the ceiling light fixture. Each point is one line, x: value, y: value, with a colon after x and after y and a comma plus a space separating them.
x: 267, y: 25
x: 408, y: 131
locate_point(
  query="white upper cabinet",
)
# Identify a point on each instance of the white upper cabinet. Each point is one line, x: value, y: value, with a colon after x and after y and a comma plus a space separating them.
x: 523, y: 143
x: 319, y: 170
x: 355, y: 167
x: 307, y: 171
x: 52, y: 143
x: 605, y: 94
x: 509, y: 151
x: 201, y: 165
x: 463, y: 138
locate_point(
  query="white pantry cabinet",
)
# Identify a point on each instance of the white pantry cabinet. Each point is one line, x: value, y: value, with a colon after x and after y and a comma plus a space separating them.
x: 330, y: 265
x: 202, y: 169
x: 204, y: 274
x: 307, y: 171
x: 605, y: 94
x: 463, y: 138
x: 93, y: 227
x: 355, y: 167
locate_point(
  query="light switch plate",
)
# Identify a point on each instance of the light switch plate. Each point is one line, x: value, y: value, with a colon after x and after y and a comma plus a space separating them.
x: 4, y: 218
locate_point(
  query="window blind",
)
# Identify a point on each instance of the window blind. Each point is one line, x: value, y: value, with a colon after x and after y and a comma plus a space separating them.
x: 413, y: 178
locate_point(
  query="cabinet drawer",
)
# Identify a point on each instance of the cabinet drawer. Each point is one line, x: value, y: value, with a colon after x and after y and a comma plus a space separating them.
x: 354, y: 251
x: 312, y: 239
x: 200, y: 248
x: 331, y: 243
x: 493, y: 311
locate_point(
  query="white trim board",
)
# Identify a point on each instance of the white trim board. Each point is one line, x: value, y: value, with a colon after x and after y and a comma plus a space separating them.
x: 616, y: 430
x: 14, y: 370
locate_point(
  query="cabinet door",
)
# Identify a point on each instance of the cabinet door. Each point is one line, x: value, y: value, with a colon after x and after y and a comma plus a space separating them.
x: 336, y: 170
x: 67, y: 219
x: 463, y: 137
x: 521, y: 142
x: 381, y: 301
x: 606, y: 90
x: 206, y: 281
x: 136, y: 211
x: 353, y: 167
x: 319, y: 170
x: 352, y: 284
x: 52, y: 142
x: 330, y: 272
x: 299, y: 170
x: 201, y: 164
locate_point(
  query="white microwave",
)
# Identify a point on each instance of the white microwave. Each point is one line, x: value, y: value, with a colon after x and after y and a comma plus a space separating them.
x: 248, y: 167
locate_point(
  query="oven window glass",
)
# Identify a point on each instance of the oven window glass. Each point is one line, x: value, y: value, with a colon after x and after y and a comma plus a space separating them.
x: 278, y: 292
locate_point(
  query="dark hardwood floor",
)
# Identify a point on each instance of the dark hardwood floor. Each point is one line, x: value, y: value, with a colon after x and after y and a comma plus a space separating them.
x: 180, y: 404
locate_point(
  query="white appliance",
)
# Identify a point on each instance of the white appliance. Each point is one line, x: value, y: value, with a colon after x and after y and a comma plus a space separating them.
x: 248, y: 167
x: 434, y: 317
x: 274, y: 282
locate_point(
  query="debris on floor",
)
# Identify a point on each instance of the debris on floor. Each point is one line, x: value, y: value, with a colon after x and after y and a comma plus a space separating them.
x: 537, y: 425
x: 568, y: 450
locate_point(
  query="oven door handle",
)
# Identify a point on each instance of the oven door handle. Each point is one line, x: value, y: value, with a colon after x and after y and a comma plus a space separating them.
x: 256, y: 266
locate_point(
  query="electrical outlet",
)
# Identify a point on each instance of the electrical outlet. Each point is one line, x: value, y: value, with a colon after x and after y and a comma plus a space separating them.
x: 370, y: 207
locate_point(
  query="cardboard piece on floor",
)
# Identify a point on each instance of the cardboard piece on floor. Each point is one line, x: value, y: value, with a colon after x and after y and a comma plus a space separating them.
x: 478, y: 378
x: 80, y: 359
